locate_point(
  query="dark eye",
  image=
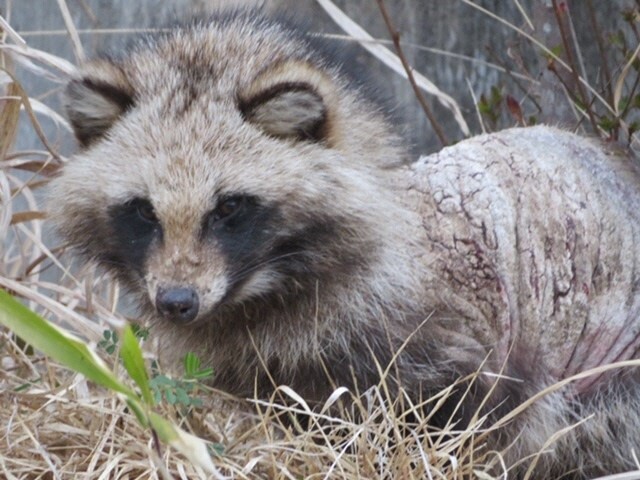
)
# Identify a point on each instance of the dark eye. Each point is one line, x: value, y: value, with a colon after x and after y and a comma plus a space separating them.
x: 144, y: 210
x: 227, y: 208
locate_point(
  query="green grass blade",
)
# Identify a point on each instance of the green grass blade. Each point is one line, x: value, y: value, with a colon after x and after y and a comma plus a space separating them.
x: 57, y: 344
x: 139, y: 411
x: 133, y: 361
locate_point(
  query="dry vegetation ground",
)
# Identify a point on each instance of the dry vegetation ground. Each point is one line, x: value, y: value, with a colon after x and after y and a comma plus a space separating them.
x: 56, y: 425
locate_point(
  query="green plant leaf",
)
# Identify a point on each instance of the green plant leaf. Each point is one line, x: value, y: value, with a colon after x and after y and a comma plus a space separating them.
x: 140, y: 332
x: 139, y: 411
x: 203, y: 374
x: 57, y: 344
x: 183, y: 397
x: 191, y: 364
x: 133, y: 361
x: 161, y: 380
x: 192, y: 370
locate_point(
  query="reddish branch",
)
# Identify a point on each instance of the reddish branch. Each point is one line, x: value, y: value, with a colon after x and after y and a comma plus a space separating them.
x: 395, y: 37
x: 561, y: 10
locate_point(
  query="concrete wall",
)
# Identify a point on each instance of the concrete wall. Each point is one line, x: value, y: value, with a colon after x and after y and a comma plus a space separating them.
x: 451, y: 26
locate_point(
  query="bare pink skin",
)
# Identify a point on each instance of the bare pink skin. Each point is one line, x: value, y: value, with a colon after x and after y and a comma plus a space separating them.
x: 531, y: 257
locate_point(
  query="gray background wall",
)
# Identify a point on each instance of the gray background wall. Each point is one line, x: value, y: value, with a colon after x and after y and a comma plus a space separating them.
x: 449, y: 25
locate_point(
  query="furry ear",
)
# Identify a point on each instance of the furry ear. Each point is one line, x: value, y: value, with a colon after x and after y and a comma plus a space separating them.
x: 287, y: 110
x: 290, y: 100
x: 96, y: 99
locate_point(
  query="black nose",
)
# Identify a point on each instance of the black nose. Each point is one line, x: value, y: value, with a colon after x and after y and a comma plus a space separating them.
x: 178, y: 304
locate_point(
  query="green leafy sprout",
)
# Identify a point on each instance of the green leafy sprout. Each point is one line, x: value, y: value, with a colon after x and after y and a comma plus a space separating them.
x: 176, y: 392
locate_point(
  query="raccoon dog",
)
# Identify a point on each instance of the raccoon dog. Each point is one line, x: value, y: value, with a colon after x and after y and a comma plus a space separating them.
x: 254, y: 202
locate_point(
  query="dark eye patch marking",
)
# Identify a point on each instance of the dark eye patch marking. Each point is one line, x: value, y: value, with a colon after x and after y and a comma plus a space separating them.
x: 228, y: 208
x: 239, y: 225
x: 134, y: 227
x: 253, y: 238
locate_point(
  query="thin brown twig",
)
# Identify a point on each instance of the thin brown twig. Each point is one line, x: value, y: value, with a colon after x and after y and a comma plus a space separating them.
x: 32, y: 117
x: 572, y: 62
x: 608, y: 85
x: 571, y: 94
x: 581, y: 119
x: 395, y: 37
x: 157, y: 446
x: 630, y: 96
x: 89, y: 12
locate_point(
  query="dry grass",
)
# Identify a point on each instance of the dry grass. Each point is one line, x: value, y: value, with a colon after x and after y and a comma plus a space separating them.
x: 56, y: 425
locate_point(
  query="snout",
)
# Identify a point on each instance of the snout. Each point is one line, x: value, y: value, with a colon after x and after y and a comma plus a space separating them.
x: 178, y: 304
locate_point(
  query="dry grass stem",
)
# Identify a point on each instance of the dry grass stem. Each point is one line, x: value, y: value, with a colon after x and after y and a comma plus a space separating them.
x: 393, y: 62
